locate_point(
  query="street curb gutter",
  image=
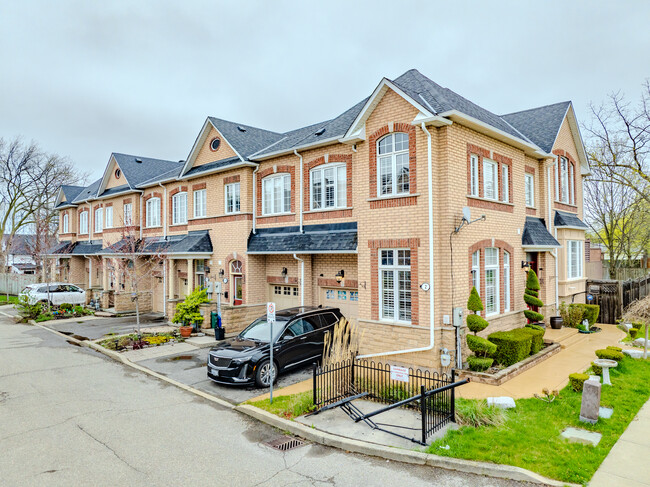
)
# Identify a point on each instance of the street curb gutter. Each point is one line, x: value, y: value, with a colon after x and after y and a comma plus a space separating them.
x: 396, y: 454
x: 126, y: 361
x: 336, y: 441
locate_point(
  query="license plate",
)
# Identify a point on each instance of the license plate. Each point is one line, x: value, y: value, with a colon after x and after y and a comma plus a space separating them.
x: 215, y: 372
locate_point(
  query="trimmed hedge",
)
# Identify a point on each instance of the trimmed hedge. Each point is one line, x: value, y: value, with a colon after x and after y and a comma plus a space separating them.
x: 609, y: 354
x: 480, y: 346
x: 537, y: 334
x: 512, y: 346
x: 577, y: 381
x: 633, y: 332
x: 590, y: 312
x: 597, y: 370
x: 479, y: 364
x: 616, y: 349
x: 636, y: 325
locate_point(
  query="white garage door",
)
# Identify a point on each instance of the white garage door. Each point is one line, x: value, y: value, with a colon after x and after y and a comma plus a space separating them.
x: 347, y: 300
x: 284, y: 296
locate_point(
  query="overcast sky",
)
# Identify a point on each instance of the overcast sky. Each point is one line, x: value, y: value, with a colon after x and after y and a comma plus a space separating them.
x: 85, y: 79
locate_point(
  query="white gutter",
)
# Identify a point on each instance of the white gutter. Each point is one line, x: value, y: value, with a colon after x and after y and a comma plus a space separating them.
x: 554, y: 251
x: 165, y: 216
x: 302, y: 279
x: 140, y: 198
x: 301, y: 189
x: 255, y: 197
x: 431, y: 275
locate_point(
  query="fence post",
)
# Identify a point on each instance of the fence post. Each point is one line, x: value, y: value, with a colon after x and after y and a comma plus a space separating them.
x: 352, y: 372
x: 453, y: 396
x: 423, y: 412
x: 315, y: 367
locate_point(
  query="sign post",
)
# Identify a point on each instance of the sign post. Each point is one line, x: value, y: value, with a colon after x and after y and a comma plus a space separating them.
x: 270, y: 319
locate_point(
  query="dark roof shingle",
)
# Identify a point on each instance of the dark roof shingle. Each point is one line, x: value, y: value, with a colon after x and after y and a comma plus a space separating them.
x: 333, y: 237
x: 541, y: 125
x: 565, y: 219
x: 536, y: 235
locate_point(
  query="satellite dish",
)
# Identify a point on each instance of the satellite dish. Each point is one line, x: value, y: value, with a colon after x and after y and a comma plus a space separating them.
x: 467, y: 214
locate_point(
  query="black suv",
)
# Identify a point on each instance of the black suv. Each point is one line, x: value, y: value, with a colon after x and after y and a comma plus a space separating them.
x: 298, y: 334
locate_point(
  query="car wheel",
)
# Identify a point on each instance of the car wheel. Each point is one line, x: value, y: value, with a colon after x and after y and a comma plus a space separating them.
x: 264, y: 372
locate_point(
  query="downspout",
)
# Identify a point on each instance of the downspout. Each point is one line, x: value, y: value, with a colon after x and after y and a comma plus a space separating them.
x: 302, y: 279
x: 165, y: 262
x: 554, y: 251
x: 140, y: 198
x: 431, y: 275
x: 301, y: 189
x: 165, y: 221
x: 255, y: 197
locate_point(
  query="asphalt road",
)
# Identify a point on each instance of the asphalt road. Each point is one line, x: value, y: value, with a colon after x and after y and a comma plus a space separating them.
x: 70, y: 416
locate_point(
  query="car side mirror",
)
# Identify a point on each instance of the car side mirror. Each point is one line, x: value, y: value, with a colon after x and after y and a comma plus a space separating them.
x: 287, y: 338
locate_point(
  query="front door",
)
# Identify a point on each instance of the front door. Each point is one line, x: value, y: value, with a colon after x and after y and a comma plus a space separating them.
x: 238, y: 290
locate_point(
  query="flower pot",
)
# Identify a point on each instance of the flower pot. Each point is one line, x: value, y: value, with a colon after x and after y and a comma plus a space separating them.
x: 186, y: 331
x: 556, y: 322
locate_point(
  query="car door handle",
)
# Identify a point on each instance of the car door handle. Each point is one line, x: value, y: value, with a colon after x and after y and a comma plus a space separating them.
x: 302, y: 339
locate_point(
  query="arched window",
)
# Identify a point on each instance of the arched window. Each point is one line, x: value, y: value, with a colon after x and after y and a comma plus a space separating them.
x: 235, y: 267
x: 328, y: 187
x: 393, y: 164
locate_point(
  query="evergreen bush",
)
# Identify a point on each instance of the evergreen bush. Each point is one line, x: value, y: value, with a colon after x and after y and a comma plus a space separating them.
x: 531, y: 298
x: 577, y: 381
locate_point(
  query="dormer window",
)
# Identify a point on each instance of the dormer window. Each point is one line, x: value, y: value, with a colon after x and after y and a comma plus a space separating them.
x: 393, y: 162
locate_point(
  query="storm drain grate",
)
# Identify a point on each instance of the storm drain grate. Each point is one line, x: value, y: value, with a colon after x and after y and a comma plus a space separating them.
x: 285, y: 443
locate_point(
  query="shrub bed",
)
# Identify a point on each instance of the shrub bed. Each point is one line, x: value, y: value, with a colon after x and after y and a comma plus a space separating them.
x: 537, y: 337
x: 512, y: 346
x: 608, y: 354
x: 590, y: 312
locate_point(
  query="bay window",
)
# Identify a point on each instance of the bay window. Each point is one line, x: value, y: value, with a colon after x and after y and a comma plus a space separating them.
x: 153, y: 212
x: 276, y: 194
x: 179, y: 208
x: 328, y: 187
x: 393, y: 162
x: 574, y: 259
x: 200, y: 203
x: 395, y: 284
x: 233, y: 204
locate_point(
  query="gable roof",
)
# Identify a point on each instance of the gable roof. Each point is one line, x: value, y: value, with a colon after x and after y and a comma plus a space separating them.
x: 89, y: 192
x: 244, y: 139
x: 536, y: 235
x: 541, y: 125
x: 135, y: 169
x: 568, y: 220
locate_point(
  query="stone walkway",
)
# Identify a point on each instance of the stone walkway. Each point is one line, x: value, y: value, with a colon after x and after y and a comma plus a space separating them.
x: 626, y: 462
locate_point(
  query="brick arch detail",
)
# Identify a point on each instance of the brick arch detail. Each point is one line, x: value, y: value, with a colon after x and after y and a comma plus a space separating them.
x: 320, y: 161
x: 372, y: 147
x: 229, y: 258
x: 503, y: 247
x: 281, y: 169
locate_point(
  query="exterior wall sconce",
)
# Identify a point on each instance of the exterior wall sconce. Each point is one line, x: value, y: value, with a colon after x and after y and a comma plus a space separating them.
x: 340, y: 275
x: 284, y: 272
x: 525, y: 266
x: 221, y: 273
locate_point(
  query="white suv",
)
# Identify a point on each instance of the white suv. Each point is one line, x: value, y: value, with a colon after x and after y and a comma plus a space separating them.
x: 59, y: 293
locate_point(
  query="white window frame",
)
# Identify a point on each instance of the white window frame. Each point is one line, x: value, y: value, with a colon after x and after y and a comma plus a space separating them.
x: 392, y: 157
x: 128, y: 214
x: 200, y: 197
x: 476, y: 270
x: 269, y: 207
x: 505, y: 183
x: 232, y: 192
x: 317, y: 175
x: 529, y: 188
x: 179, y: 208
x: 108, y: 217
x: 396, y: 269
x: 152, y: 218
x: 99, y: 220
x: 493, y: 168
x: 574, y: 269
x: 66, y: 223
x: 565, y: 180
x: 506, y: 281
x: 473, y: 175
x: 492, y: 267
x: 571, y: 185
x: 83, y: 222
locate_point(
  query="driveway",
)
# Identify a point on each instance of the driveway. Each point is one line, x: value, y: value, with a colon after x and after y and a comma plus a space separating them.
x: 190, y: 368
x: 97, y: 328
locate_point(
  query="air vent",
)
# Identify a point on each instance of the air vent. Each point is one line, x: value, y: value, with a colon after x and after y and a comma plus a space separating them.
x: 320, y: 132
x: 285, y: 443
x: 138, y: 160
x: 240, y: 128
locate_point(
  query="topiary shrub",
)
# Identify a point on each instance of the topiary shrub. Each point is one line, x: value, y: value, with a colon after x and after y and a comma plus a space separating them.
x: 597, y: 370
x: 633, y: 332
x: 616, y: 349
x: 531, y: 298
x: 590, y: 312
x: 475, y: 322
x: 537, y: 337
x: 480, y: 346
x: 577, y: 381
x: 512, y: 346
x: 636, y: 325
x: 479, y: 364
x: 609, y: 354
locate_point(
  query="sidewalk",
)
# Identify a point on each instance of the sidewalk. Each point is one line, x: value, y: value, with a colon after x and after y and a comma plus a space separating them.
x: 626, y: 462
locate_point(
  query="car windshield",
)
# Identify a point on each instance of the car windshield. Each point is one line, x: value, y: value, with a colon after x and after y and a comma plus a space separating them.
x: 259, y: 331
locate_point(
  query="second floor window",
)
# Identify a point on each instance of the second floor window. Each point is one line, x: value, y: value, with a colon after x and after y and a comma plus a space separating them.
x: 490, y: 179
x: 109, y: 217
x: 200, y: 203
x: 233, y: 205
x: 153, y: 212
x: 83, y: 222
x: 276, y: 194
x: 574, y: 259
x: 328, y: 187
x: 179, y: 208
x: 564, y: 181
x: 65, y: 223
x: 505, y: 183
x: 99, y: 220
x: 473, y: 175
x: 393, y: 161
x: 128, y: 214
x: 529, y: 183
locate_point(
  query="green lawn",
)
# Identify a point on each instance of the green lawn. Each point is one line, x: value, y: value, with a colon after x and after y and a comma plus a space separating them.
x: 12, y: 299
x: 530, y: 437
x: 288, y: 406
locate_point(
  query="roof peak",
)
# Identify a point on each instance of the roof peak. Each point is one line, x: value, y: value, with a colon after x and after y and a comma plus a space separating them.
x: 567, y: 103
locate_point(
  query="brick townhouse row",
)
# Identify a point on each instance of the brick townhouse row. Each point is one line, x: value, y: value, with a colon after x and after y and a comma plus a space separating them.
x: 363, y: 212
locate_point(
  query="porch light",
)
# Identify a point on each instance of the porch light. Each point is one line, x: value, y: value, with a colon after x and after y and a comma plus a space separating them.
x: 525, y: 265
x: 221, y: 273
x: 340, y: 275
x: 284, y: 272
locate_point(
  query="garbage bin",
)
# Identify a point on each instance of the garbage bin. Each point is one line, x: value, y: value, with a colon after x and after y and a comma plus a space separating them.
x: 214, y: 317
x: 215, y: 321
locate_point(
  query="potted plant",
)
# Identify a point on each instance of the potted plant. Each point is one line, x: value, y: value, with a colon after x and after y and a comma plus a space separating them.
x: 187, y: 312
x: 531, y: 298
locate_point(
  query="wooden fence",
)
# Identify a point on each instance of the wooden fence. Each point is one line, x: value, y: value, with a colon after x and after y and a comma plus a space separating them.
x: 614, y: 296
x: 11, y: 283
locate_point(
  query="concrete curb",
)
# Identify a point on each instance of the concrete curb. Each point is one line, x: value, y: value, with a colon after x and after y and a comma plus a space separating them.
x: 396, y: 454
x: 127, y: 362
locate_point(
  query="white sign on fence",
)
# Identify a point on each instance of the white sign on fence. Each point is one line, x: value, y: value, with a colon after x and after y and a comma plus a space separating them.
x: 399, y: 373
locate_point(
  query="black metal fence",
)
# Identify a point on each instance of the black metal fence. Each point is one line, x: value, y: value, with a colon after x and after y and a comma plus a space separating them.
x: 430, y: 393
